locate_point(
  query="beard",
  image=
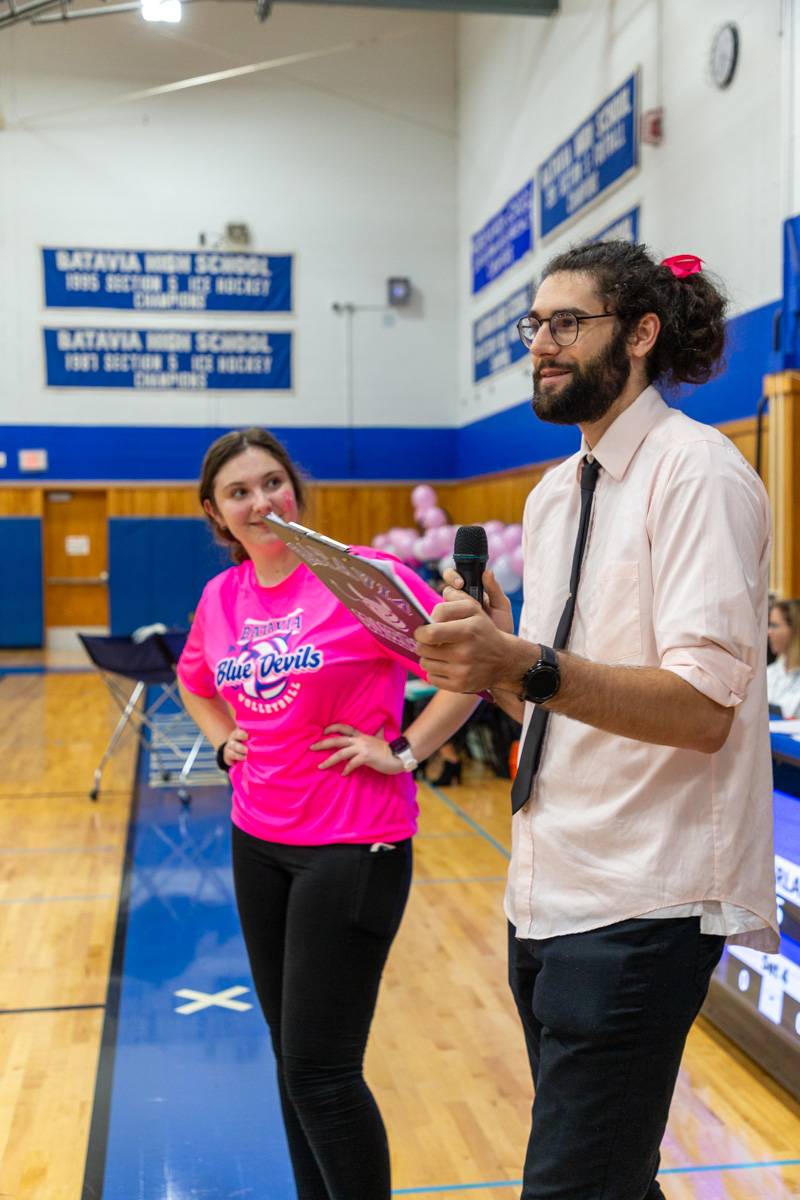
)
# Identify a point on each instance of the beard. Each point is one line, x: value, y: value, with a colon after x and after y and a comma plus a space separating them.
x: 590, y: 392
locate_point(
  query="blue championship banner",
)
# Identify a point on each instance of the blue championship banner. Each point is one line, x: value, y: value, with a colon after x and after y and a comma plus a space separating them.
x: 168, y: 359
x: 598, y: 155
x: 624, y: 229
x: 168, y: 280
x: 504, y: 239
x: 496, y: 344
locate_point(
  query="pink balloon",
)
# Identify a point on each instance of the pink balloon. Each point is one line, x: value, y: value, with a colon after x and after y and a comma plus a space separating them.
x: 505, y: 574
x: 433, y: 518
x: 430, y: 546
x: 423, y: 496
x: 403, y: 542
x: 496, y: 545
x: 440, y: 541
x: 512, y: 536
x: 380, y: 540
x: 493, y: 527
x: 518, y: 560
x: 420, y: 549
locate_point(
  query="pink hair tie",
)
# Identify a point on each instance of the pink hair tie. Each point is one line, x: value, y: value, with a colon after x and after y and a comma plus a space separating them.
x: 682, y: 265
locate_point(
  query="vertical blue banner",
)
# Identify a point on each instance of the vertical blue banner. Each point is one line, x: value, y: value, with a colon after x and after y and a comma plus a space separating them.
x: 603, y: 151
x: 167, y: 280
x: 504, y: 239
x: 168, y: 359
x: 624, y: 229
x: 496, y: 343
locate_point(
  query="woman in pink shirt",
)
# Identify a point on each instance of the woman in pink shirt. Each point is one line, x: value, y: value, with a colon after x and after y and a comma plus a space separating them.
x: 305, y: 706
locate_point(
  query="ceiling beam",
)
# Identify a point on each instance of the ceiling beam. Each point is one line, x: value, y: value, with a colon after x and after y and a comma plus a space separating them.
x: 515, y: 8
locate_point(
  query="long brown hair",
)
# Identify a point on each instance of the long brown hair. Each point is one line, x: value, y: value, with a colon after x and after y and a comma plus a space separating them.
x: 223, y: 450
x: 790, y: 609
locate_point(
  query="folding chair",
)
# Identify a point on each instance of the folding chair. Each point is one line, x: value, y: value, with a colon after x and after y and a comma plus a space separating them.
x: 145, y: 664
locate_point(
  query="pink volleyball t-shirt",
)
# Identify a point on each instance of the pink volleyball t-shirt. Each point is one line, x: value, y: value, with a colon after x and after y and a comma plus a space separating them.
x: 290, y: 660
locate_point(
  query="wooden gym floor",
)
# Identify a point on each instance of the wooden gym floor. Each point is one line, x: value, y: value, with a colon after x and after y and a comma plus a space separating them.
x: 453, y: 1086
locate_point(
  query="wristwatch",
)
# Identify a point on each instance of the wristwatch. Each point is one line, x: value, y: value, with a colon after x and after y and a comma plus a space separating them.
x: 401, y: 749
x: 543, y: 679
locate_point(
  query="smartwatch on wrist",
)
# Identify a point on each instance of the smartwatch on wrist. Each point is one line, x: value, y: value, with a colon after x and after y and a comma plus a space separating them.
x: 543, y: 679
x: 223, y: 766
x: 401, y: 749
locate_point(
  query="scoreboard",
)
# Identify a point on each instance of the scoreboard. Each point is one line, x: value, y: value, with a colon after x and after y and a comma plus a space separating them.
x: 754, y: 997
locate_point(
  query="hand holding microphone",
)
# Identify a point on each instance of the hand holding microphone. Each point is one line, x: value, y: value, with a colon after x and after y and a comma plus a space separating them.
x: 466, y: 648
x: 470, y: 576
x: 471, y: 554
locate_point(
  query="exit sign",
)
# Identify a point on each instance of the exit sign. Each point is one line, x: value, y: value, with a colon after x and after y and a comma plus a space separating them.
x: 33, y: 460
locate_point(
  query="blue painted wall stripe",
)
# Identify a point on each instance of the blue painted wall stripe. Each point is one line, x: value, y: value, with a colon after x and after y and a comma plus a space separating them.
x: 148, y: 452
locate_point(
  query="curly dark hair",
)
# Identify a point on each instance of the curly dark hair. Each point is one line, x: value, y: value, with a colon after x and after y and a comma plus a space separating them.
x: 630, y: 283
x: 226, y: 448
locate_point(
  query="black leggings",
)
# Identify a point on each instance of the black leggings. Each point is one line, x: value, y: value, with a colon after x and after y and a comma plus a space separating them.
x: 318, y: 922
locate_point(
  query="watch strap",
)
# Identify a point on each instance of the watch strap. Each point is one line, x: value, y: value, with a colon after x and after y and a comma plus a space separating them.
x: 401, y: 748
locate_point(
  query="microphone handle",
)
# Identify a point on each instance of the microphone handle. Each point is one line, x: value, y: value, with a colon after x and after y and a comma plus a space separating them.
x: 471, y: 571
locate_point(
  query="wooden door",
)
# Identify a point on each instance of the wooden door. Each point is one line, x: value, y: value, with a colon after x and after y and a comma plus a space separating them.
x: 75, y: 559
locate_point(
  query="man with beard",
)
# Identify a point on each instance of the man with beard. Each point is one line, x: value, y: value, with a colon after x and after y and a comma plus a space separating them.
x: 643, y: 798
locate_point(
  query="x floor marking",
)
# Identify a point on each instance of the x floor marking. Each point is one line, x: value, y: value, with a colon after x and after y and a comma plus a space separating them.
x: 201, y: 1000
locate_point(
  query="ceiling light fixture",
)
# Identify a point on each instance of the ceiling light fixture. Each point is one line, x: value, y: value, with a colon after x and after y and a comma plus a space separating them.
x: 162, y: 10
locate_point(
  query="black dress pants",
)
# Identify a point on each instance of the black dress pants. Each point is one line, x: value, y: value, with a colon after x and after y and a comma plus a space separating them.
x: 318, y: 922
x: 606, y: 1014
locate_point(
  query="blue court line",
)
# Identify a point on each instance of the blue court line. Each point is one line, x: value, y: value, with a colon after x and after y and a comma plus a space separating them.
x: 746, y: 1166
x: 39, y: 670
x: 498, y: 1183
x: 451, y: 804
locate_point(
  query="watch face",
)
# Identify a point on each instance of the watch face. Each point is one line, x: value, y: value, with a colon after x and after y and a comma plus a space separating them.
x: 541, y: 683
x: 724, y: 55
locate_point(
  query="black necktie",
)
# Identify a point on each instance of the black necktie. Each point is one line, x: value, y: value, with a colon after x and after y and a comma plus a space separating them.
x: 532, y: 746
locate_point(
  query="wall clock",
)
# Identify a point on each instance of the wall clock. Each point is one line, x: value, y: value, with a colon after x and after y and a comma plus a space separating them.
x: 724, y: 55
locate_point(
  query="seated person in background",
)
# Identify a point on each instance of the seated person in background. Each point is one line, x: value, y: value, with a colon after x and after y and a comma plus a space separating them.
x: 783, y: 675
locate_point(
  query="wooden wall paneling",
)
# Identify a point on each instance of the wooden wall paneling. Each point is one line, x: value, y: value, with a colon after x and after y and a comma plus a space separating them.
x: 743, y: 435
x: 20, y: 502
x: 499, y: 497
x: 356, y: 513
x: 163, y: 501
x: 783, y: 480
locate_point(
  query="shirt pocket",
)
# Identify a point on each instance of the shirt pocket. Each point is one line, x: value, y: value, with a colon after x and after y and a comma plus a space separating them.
x: 614, y: 628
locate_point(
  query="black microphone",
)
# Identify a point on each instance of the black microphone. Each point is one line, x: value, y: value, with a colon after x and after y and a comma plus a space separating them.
x: 471, y: 553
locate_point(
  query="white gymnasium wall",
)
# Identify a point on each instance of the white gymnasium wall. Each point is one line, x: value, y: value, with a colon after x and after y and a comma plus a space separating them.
x: 716, y: 186
x: 348, y: 160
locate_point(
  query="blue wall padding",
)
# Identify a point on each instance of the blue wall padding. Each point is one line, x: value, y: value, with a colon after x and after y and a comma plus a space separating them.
x: 158, y: 567
x: 21, y: 604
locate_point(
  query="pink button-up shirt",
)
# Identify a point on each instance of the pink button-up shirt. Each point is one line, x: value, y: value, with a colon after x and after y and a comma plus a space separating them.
x: 674, y: 576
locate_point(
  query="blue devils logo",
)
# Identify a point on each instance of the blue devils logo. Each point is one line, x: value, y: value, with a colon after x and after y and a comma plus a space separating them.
x: 263, y: 667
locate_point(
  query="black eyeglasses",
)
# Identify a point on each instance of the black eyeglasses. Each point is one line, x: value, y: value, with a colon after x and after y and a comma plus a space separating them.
x: 564, y: 327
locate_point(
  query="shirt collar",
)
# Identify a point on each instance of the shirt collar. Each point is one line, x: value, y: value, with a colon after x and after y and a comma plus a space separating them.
x: 625, y: 435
